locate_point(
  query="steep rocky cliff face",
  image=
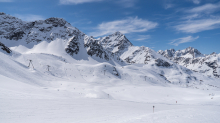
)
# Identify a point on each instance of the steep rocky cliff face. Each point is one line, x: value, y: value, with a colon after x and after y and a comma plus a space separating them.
x: 116, y: 43
x: 94, y: 47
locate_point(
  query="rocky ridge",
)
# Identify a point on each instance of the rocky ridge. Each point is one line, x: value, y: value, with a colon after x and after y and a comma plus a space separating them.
x: 115, y: 48
x: 14, y: 32
x: 194, y: 60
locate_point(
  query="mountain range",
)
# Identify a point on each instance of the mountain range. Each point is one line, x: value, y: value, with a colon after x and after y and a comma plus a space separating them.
x: 55, y: 38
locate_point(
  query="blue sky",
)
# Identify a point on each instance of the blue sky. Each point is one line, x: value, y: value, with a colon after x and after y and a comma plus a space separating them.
x: 158, y: 24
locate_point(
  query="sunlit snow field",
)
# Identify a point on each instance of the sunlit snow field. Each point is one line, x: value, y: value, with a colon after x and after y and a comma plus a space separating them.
x: 75, y: 102
x: 89, y: 91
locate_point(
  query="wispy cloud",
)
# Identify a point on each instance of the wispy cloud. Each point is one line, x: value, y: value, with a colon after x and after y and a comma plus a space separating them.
x: 127, y: 3
x: 143, y: 37
x: 167, y: 6
x: 6, y: 0
x: 29, y: 17
x: 207, y: 8
x: 194, y: 26
x: 191, y: 16
x: 200, y: 19
x: 179, y: 41
x: 124, y: 3
x: 77, y: 1
x: 129, y: 25
x: 196, y: 1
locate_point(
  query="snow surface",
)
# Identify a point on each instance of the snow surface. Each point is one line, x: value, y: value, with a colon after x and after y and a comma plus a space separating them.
x: 89, y: 91
x: 40, y: 82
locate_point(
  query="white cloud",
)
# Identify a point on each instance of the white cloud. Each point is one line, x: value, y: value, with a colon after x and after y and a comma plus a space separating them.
x: 167, y: 6
x: 192, y: 16
x: 207, y: 8
x: 29, y: 17
x: 179, y: 41
x: 196, y: 1
x: 6, y: 0
x: 78, y: 1
x: 124, y: 3
x: 194, y: 26
x: 129, y: 25
x: 143, y: 37
x: 127, y: 3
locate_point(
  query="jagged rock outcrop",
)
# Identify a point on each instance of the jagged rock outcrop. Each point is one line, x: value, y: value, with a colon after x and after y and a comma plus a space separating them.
x: 160, y: 62
x: 195, y: 60
x: 189, y: 52
x: 73, y: 46
x: 116, y: 43
x: 4, y: 48
x: 32, y: 33
x: 94, y: 48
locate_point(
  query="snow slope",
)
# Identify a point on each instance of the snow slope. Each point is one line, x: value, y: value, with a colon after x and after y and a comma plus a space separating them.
x: 82, y: 91
x: 52, y: 72
x: 81, y: 102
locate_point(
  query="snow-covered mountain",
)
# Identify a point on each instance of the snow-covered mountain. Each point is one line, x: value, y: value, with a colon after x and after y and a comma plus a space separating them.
x: 30, y: 33
x: 15, y: 32
x: 94, y: 47
x: 116, y: 43
x: 52, y: 72
x: 55, y: 37
x: 191, y: 58
x: 189, y: 52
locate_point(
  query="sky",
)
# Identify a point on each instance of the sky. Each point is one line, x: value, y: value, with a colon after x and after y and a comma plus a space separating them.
x: 158, y: 24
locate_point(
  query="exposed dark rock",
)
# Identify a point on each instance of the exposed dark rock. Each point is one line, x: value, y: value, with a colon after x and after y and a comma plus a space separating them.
x: 73, y: 46
x: 56, y: 21
x: 116, y: 40
x: 2, y: 13
x: 94, y: 48
x: 164, y: 77
x: 16, y: 35
x: 213, y: 65
x: 160, y: 62
x: 4, y: 48
x: 115, y: 72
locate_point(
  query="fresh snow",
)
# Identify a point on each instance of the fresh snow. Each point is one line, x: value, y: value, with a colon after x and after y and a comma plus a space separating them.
x: 54, y: 73
x: 75, y: 91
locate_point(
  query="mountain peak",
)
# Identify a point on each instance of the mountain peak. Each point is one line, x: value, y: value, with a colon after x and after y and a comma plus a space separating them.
x: 31, y: 33
x: 2, y: 13
x: 116, y: 42
x: 190, y: 48
x: 56, y: 21
x: 118, y: 33
x: 173, y: 50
